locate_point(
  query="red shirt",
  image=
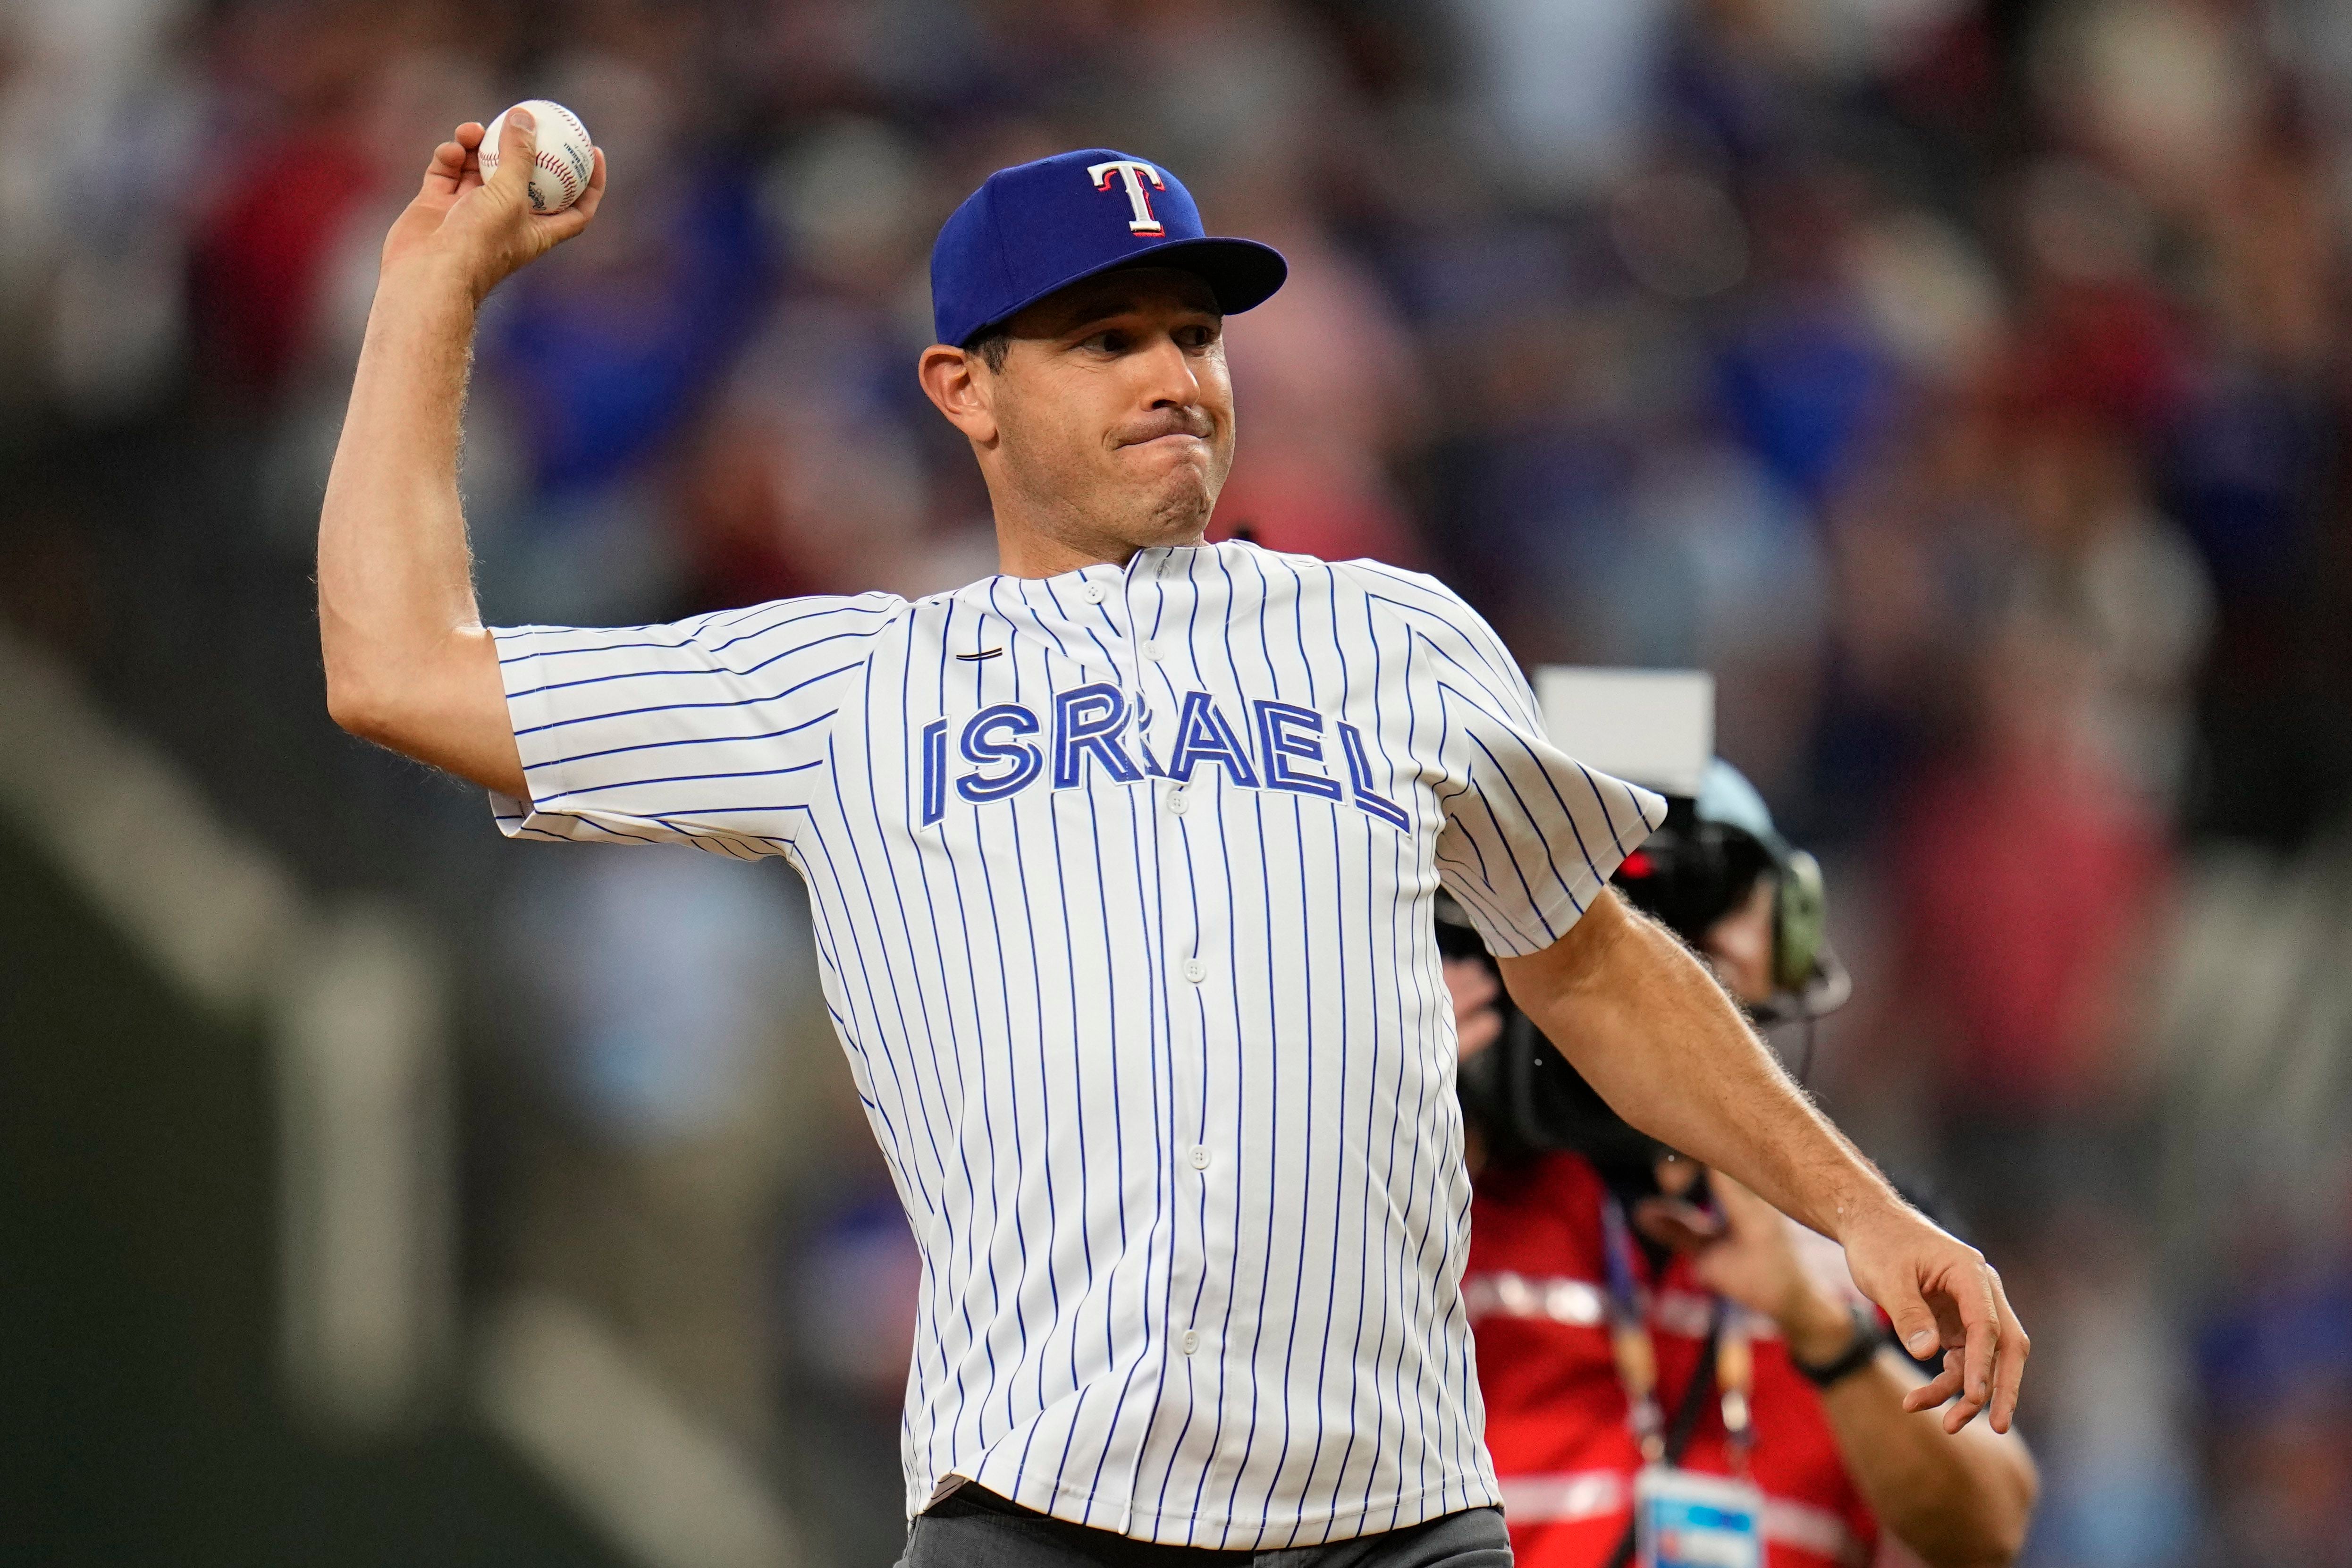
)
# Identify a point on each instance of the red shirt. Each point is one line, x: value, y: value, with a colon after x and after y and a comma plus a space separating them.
x: 1536, y: 1289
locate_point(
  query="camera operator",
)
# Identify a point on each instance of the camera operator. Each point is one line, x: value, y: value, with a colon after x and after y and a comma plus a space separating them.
x: 1641, y: 1322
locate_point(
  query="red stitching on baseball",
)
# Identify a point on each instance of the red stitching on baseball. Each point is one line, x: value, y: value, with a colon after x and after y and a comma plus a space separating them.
x: 560, y: 167
x: 562, y: 170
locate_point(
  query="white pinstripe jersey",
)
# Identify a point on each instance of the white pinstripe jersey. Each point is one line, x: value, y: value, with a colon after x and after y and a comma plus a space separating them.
x: 1122, y: 888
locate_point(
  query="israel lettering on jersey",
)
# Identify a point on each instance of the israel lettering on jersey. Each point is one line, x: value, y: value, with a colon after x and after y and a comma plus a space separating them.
x: 1122, y: 885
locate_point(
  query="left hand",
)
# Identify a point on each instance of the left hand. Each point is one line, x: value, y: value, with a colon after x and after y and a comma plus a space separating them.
x: 1938, y: 1291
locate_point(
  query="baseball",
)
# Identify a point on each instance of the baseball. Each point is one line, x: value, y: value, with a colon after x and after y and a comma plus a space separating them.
x: 566, y: 156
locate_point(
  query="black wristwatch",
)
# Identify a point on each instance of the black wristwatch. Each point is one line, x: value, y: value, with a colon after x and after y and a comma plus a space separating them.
x: 1867, y: 1337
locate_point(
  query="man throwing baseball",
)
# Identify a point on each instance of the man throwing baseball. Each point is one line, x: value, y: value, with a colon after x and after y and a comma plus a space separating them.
x: 1122, y: 864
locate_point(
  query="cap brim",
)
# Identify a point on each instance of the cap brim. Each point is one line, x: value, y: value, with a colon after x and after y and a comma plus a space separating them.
x: 1242, y: 273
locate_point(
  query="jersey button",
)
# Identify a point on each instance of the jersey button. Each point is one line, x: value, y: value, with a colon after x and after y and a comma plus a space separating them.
x: 1195, y: 971
x: 1096, y: 594
x: 1151, y: 652
x: 1176, y: 802
x: 1199, y: 1156
x: 1190, y: 1342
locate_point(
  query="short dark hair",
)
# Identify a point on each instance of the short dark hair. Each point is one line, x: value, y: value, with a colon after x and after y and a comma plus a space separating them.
x: 992, y: 344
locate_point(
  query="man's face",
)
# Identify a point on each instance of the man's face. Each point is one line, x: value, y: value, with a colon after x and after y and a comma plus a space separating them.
x: 1114, y: 410
x: 1738, y: 947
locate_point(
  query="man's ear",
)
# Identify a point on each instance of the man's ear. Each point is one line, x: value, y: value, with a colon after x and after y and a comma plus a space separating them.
x: 960, y: 389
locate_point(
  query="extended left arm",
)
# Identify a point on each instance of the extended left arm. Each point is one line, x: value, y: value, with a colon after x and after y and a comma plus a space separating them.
x: 1652, y: 1031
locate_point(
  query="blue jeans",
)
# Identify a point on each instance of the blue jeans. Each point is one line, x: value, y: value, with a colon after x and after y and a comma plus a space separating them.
x: 974, y: 1529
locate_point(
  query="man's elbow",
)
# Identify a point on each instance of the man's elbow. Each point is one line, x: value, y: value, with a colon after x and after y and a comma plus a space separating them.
x: 1993, y: 1533
x: 2010, y: 1525
x: 445, y: 708
x: 1972, y: 1543
x: 374, y: 709
x: 2002, y: 1542
x: 352, y: 705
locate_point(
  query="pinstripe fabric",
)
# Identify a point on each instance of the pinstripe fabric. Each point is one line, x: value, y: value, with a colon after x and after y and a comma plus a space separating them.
x: 1123, y: 886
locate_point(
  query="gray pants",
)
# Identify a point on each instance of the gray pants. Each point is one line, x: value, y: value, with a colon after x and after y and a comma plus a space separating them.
x: 974, y: 1529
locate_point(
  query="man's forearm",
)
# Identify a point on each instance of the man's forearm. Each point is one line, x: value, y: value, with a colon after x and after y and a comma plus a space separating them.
x: 1960, y: 1500
x: 1653, y: 1033
x: 406, y: 658
x: 394, y: 578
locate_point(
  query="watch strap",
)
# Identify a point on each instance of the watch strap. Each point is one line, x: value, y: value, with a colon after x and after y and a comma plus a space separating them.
x: 1867, y: 1337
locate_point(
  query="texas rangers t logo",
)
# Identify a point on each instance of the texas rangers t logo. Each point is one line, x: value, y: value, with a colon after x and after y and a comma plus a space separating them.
x: 1134, y: 173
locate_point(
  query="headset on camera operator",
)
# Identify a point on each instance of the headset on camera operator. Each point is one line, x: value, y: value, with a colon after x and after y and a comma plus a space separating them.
x: 1652, y: 1335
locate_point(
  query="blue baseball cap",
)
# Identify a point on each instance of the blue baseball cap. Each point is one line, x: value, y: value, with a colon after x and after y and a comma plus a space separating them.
x: 1037, y: 227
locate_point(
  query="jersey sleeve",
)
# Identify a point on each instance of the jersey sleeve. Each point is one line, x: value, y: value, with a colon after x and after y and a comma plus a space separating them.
x: 713, y: 731
x: 1531, y: 835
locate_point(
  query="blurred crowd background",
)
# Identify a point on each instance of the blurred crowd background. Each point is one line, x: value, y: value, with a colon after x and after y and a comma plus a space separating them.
x: 1965, y: 383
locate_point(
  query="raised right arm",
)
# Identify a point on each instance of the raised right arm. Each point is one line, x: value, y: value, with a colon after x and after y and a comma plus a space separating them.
x: 409, y: 664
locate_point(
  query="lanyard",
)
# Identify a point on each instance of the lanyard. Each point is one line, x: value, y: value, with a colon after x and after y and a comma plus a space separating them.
x: 1735, y: 1373
x: 1635, y: 1353
x: 1629, y: 1336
